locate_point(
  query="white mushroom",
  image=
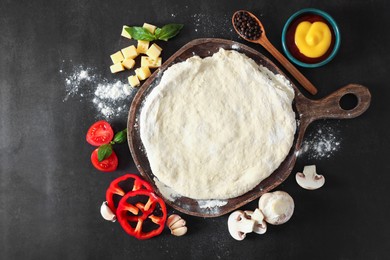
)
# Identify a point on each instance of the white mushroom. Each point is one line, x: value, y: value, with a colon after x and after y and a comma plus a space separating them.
x: 177, y: 225
x: 106, y: 212
x: 277, y: 207
x: 239, y: 224
x: 309, y: 179
x: 260, y: 224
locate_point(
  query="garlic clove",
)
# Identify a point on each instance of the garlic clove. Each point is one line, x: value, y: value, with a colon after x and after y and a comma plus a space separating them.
x: 172, y: 219
x: 178, y: 224
x: 107, y: 213
x: 179, y: 231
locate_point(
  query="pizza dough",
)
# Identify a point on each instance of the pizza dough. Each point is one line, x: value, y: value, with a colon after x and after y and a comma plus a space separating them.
x: 216, y: 127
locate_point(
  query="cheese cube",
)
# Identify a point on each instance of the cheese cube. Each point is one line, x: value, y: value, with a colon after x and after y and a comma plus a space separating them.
x: 142, y: 46
x: 134, y: 81
x: 130, y: 52
x: 116, y: 68
x: 151, y: 28
x: 154, y: 51
x: 143, y: 73
x: 149, y: 62
x: 128, y: 63
x: 117, y: 57
x: 125, y: 33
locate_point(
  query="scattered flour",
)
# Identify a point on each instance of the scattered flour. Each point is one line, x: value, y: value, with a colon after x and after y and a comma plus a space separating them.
x: 110, y: 99
x: 321, y: 143
x: 212, y: 26
x: 203, y: 204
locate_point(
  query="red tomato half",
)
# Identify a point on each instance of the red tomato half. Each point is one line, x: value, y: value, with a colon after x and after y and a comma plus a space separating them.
x: 108, y: 165
x: 100, y: 133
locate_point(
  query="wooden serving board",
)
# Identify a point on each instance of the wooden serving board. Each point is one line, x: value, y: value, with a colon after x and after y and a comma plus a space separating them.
x: 307, y: 111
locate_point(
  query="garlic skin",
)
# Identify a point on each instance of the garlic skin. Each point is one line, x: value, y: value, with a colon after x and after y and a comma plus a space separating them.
x: 177, y: 225
x: 106, y: 212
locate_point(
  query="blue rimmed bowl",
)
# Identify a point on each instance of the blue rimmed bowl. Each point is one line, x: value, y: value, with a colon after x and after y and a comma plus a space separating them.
x: 309, y: 62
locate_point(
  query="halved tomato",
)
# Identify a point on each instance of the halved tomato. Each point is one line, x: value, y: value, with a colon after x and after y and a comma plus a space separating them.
x: 107, y: 165
x: 100, y: 133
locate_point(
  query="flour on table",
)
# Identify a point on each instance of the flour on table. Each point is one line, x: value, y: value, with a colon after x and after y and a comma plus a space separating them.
x: 110, y: 98
x: 216, y: 127
x: 320, y: 144
x: 203, y: 204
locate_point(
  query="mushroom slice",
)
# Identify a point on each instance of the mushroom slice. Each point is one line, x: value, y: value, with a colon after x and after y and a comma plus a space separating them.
x: 239, y: 224
x: 277, y: 207
x: 309, y: 179
x: 106, y: 212
x: 260, y: 224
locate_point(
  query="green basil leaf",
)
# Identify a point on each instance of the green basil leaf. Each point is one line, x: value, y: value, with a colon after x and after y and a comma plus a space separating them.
x: 104, y: 152
x: 168, y: 31
x: 140, y: 33
x: 157, y: 31
x: 120, y: 137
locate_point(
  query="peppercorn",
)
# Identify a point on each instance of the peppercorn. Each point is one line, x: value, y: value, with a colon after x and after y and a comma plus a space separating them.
x: 247, y: 26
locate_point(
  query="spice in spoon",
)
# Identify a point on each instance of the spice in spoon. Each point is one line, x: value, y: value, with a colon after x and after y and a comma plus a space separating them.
x: 247, y: 26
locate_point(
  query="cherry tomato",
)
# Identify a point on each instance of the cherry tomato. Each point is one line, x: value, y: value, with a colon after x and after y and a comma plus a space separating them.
x: 100, y: 133
x: 108, y: 165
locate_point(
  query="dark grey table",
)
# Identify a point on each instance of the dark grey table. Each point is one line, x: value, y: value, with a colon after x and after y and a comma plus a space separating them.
x: 50, y: 194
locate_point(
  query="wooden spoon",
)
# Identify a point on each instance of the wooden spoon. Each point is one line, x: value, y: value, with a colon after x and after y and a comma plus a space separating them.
x: 263, y: 41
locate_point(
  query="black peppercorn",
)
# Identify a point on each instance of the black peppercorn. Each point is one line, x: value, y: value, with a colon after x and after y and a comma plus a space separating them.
x: 247, y: 26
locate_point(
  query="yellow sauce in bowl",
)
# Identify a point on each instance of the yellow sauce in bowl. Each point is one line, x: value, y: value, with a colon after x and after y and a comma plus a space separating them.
x: 313, y: 39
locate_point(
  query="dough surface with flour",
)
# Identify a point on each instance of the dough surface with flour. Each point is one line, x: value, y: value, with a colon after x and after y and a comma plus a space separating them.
x: 216, y: 127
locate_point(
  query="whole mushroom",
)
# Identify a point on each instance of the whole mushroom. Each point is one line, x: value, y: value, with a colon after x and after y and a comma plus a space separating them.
x: 277, y: 207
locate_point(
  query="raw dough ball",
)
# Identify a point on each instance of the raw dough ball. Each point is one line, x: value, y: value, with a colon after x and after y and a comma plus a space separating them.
x: 216, y: 127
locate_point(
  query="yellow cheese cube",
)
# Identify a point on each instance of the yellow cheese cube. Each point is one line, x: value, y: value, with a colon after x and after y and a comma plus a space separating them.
x: 142, y: 46
x: 117, y: 57
x: 134, y: 81
x: 149, y: 62
x: 143, y: 73
x: 150, y: 27
x: 128, y: 63
x: 130, y: 52
x: 125, y: 33
x: 154, y: 51
x: 116, y: 68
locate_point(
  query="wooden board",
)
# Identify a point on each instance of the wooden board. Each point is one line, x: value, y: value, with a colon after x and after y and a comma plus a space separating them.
x: 307, y: 111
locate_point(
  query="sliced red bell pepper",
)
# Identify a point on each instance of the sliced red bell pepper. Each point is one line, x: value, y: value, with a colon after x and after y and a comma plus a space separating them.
x: 154, y: 209
x: 115, y: 188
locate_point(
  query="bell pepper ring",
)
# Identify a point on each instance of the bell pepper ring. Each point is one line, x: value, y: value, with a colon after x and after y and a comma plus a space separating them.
x: 116, y: 189
x: 133, y: 217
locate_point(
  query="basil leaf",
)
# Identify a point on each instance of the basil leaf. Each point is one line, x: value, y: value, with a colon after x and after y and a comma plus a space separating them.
x: 157, y: 31
x: 140, y: 33
x: 120, y: 137
x: 168, y: 31
x: 104, y: 152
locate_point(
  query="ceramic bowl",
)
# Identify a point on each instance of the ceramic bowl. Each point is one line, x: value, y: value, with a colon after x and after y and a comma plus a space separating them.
x: 334, y: 28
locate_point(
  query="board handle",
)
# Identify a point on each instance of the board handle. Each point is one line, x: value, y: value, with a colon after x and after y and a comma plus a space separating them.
x: 329, y: 107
